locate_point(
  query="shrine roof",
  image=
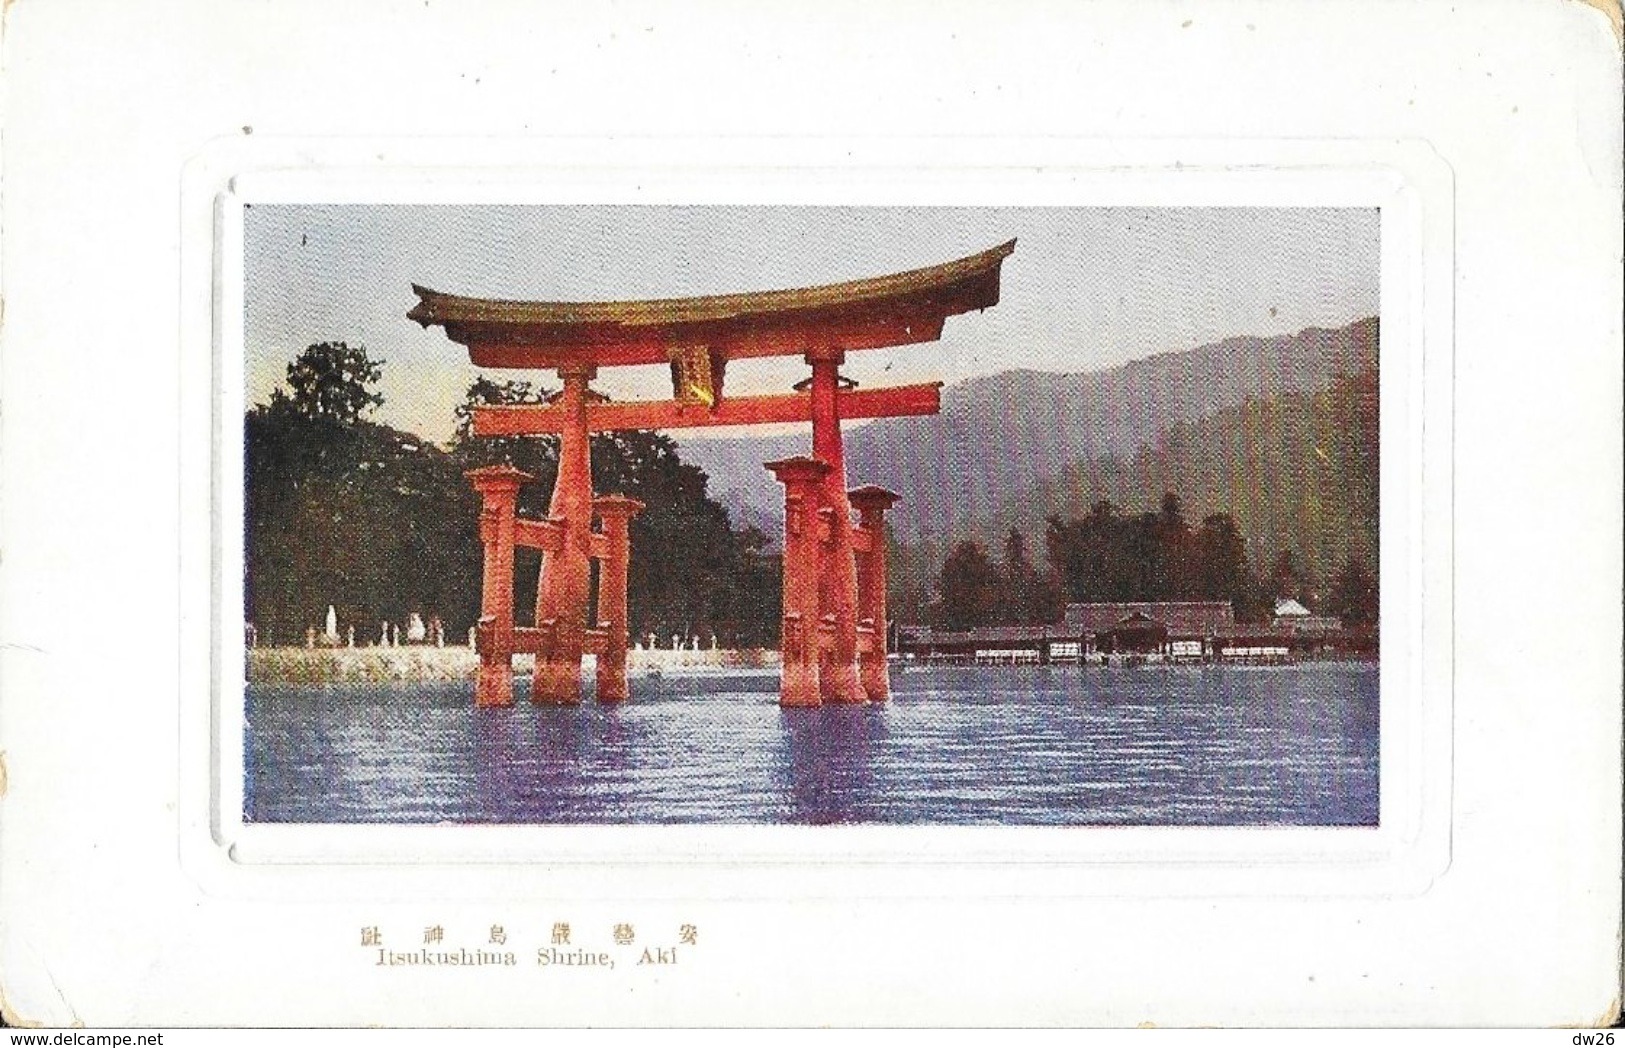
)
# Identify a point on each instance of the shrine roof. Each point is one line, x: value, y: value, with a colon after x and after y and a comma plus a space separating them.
x: 894, y: 309
x: 1187, y: 616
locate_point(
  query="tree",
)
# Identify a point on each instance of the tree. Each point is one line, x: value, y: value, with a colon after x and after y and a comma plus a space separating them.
x: 1178, y: 553
x: 1141, y: 545
x: 343, y: 511
x: 970, y: 588
x: 1093, y: 558
x: 1354, y: 596
x: 911, y: 577
x: 1065, y: 557
x: 330, y: 382
x: 538, y: 456
x: 754, y: 593
x: 1029, y: 596
x: 1289, y: 580
x: 482, y: 392
x: 1222, y: 557
x: 1221, y: 568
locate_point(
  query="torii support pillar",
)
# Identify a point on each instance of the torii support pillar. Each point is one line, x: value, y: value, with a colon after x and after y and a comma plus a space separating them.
x: 616, y: 511
x: 872, y: 502
x: 561, y: 596
x: 799, y: 645
x: 498, y: 487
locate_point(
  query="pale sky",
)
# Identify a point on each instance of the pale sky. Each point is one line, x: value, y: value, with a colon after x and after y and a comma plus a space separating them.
x: 1087, y: 288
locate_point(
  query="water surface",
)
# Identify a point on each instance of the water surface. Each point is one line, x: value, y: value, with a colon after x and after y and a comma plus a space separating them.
x: 1155, y: 746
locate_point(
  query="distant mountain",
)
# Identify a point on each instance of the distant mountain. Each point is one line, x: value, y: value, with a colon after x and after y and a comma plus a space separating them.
x: 1297, y: 471
x: 1002, y: 435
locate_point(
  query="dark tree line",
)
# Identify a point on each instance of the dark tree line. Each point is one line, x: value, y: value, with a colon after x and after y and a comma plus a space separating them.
x: 381, y: 523
x: 976, y: 591
x: 1109, y: 556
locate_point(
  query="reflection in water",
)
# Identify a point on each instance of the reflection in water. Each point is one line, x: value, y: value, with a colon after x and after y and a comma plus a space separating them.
x: 826, y: 762
x: 957, y: 745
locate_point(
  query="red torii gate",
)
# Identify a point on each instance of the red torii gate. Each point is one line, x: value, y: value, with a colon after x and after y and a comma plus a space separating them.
x: 834, y: 628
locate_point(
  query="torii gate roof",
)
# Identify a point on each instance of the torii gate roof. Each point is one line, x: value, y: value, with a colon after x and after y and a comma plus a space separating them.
x: 892, y: 310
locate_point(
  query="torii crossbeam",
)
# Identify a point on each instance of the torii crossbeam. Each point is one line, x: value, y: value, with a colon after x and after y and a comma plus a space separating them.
x: 519, y: 420
x: 834, y: 627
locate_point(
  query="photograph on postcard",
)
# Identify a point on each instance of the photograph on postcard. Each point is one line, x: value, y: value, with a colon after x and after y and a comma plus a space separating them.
x: 790, y: 515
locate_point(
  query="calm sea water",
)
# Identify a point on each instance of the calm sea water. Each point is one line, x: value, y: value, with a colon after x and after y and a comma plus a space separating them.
x: 957, y: 745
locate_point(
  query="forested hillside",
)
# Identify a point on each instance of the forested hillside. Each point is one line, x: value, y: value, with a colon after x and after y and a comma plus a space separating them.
x: 1285, y: 489
x: 1298, y: 471
x: 1006, y: 434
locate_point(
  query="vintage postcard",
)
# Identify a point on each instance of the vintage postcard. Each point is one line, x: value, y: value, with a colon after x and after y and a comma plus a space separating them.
x: 922, y: 532
x: 532, y: 533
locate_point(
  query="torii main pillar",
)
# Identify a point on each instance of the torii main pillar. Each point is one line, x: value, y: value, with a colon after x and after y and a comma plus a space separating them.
x: 838, y: 679
x: 561, y: 593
